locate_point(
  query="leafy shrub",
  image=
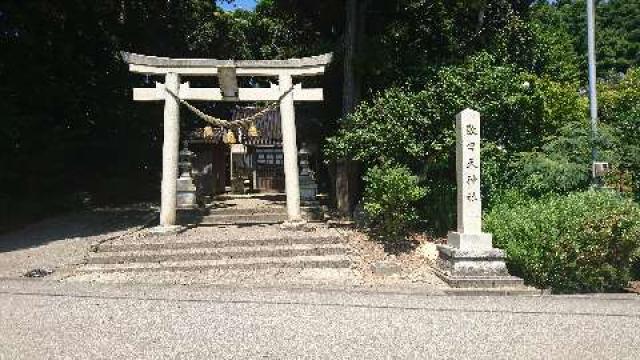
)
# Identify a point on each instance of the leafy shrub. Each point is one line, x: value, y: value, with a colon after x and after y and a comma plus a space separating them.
x: 620, y: 109
x: 562, y: 164
x: 582, y: 242
x: 415, y: 126
x: 497, y: 172
x: 389, y: 200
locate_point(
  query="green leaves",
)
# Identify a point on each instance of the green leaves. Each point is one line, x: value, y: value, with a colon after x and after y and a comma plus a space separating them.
x: 583, y: 242
x: 391, y: 193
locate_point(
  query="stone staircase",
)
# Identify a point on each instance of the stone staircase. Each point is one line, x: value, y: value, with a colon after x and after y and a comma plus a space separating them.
x: 222, y: 248
x: 250, y: 209
x: 237, y: 238
x: 231, y: 216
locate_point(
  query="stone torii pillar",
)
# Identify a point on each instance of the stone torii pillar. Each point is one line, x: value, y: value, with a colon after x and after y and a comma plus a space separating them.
x: 289, y: 149
x: 170, y: 148
x: 227, y: 72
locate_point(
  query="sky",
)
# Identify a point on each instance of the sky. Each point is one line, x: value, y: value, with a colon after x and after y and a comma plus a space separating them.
x: 238, y: 4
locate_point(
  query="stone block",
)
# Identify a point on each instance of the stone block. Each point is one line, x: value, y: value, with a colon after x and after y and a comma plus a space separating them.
x: 186, y: 200
x: 474, y: 268
x: 312, y: 212
x: 468, y: 241
x: 166, y: 229
x: 185, y: 184
x: 308, y: 191
x: 385, y: 268
x: 471, y: 262
x: 186, y: 193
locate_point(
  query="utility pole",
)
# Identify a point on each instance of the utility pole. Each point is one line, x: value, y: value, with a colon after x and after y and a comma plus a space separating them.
x: 593, y: 101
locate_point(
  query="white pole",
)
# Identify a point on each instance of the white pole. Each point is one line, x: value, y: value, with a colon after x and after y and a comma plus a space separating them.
x: 591, y: 54
x: 290, y: 149
x: 170, y: 148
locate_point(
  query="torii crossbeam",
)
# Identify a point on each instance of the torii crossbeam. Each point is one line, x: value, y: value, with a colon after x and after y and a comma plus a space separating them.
x: 227, y: 72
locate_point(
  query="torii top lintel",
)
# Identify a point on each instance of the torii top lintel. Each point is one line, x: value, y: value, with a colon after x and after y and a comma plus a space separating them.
x: 307, y: 66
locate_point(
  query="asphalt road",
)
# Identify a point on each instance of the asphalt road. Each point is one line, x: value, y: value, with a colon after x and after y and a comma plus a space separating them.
x: 52, y: 320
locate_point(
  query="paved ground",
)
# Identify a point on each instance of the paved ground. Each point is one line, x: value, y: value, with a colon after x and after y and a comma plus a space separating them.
x: 61, y: 242
x: 46, y: 319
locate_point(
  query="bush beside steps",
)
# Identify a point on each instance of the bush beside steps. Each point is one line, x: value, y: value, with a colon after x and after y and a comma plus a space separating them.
x: 582, y: 242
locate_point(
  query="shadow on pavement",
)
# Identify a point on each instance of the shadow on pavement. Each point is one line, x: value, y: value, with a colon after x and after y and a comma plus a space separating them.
x: 77, y: 224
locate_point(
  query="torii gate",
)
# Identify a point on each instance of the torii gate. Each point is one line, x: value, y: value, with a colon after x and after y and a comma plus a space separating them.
x: 227, y: 72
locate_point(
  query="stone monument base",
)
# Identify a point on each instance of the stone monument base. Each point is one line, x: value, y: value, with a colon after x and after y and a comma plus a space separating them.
x: 474, y: 268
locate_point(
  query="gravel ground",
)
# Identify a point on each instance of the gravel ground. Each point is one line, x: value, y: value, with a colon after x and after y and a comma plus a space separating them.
x: 412, y: 267
x: 58, y: 243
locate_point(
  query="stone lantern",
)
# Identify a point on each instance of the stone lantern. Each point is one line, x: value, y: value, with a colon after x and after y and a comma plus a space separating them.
x: 308, y: 186
x: 186, y: 189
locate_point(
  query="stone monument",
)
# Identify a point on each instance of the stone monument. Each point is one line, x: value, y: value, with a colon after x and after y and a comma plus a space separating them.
x: 469, y: 258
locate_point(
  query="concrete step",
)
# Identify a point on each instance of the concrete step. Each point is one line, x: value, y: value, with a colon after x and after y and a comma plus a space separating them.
x: 263, y: 210
x: 301, y: 262
x: 163, y: 243
x: 240, y: 219
x: 189, y: 254
x: 272, y: 197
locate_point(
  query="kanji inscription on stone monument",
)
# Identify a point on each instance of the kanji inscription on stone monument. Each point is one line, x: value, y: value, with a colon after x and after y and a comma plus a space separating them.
x: 468, y: 171
x: 468, y: 234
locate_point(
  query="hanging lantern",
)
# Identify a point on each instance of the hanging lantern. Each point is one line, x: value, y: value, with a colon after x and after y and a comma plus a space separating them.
x: 253, y: 131
x: 207, y: 132
x: 229, y: 137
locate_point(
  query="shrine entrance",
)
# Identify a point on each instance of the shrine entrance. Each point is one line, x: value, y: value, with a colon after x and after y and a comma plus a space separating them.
x: 254, y: 164
x: 174, y: 92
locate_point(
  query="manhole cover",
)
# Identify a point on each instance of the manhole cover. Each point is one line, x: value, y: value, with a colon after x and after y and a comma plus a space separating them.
x: 37, y: 273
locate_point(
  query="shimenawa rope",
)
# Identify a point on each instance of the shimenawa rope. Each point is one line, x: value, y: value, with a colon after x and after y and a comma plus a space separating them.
x: 244, y: 122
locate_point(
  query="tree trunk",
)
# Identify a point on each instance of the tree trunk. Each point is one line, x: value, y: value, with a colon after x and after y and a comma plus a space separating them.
x: 348, y: 94
x: 347, y: 179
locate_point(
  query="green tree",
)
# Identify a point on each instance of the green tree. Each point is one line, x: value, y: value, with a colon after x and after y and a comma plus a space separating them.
x: 617, y: 34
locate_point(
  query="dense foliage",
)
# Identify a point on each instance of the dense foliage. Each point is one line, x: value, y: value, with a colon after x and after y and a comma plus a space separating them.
x: 583, y: 242
x: 617, y: 24
x: 390, y: 199
x: 620, y: 110
x: 520, y: 112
